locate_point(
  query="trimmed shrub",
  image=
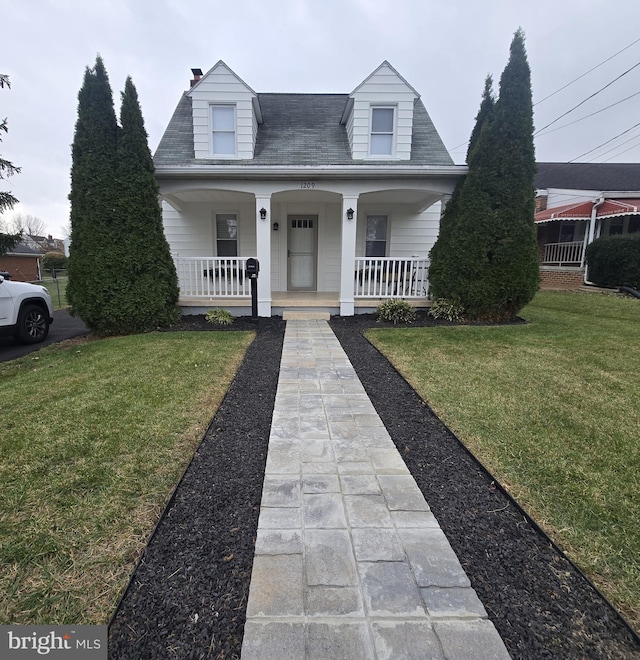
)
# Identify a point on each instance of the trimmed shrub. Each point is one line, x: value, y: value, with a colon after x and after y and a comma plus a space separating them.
x: 396, y: 311
x: 219, y: 317
x: 55, y: 260
x: 450, y: 310
x: 615, y: 261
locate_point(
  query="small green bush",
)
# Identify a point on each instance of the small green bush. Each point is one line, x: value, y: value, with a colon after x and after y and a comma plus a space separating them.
x: 615, y: 261
x: 219, y: 317
x: 396, y: 311
x: 450, y: 310
x: 55, y: 260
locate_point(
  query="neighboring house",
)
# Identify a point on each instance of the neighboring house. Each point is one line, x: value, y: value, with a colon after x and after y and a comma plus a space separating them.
x: 337, y: 195
x: 44, y: 243
x: 575, y: 204
x: 22, y: 263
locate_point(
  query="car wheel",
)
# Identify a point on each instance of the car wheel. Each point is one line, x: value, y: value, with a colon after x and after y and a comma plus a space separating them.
x: 33, y: 325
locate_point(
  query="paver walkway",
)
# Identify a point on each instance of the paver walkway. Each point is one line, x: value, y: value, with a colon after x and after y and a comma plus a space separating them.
x: 350, y: 562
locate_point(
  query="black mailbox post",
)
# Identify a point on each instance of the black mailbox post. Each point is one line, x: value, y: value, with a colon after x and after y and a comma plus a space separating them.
x: 252, y: 270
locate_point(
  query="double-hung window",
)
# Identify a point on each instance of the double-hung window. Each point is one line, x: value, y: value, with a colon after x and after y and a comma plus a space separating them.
x: 382, y: 126
x: 227, y: 234
x: 376, y: 236
x: 223, y: 129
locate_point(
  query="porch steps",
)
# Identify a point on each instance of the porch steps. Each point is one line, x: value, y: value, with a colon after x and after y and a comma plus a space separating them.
x: 311, y: 315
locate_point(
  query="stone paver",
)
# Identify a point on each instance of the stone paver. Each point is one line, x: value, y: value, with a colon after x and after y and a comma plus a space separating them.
x: 350, y: 562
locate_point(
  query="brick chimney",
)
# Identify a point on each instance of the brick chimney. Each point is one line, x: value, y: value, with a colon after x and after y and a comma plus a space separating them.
x: 197, y: 74
x: 541, y: 200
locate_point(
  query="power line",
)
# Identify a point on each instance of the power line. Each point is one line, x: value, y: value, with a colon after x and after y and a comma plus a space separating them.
x: 607, y: 142
x: 634, y: 137
x: 564, y: 114
x: 587, y: 116
x: 620, y: 153
x: 588, y: 72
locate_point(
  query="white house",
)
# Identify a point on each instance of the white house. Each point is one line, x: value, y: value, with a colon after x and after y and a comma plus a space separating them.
x: 337, y: 195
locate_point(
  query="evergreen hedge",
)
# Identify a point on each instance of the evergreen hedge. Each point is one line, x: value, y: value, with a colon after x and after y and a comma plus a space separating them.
x: 615, y: 261
x: 122, y: 278
x: 486, y: 255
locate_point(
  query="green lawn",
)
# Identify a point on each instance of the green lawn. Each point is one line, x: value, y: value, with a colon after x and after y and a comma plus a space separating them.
x: 553, y: 409
x: 94, y: 437
x: 57, y: 288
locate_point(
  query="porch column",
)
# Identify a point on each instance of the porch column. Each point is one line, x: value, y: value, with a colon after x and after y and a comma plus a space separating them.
x: 347, y: 265
x: 263, y: 253
x: 444, y: 200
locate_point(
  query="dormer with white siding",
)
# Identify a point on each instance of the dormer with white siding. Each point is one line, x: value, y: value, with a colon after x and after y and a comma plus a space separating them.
x: 226, y: 115
x: 379, y: 116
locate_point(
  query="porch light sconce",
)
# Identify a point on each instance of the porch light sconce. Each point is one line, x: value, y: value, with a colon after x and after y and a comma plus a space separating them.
x: 276, y: 226
x: 349, y: 214
x: 263, y: 213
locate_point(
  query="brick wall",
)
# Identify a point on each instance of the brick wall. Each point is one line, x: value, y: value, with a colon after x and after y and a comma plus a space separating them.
x: 22, y: 269
x: 568, y: 280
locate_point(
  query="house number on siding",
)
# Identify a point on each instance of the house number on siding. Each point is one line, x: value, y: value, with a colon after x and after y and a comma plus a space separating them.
x: 307, y: 185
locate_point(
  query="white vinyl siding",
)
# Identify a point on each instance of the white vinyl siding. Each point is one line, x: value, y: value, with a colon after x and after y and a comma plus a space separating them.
x: 221, y: 87
x: 223, y: 130
x: 383, y: 88
x: 408, y: 235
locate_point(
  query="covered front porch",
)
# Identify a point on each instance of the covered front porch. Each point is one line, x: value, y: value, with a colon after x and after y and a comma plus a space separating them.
x: 208, y: 282
x: 334, y: 245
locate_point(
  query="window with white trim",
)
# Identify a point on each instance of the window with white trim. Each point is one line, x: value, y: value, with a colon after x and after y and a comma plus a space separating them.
x: 376, y: 245
x: 227, y: 234
x: 382, y: 128
x: 223, y: 130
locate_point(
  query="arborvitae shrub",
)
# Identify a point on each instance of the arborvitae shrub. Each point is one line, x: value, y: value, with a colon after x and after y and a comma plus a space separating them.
x: 615, y: 261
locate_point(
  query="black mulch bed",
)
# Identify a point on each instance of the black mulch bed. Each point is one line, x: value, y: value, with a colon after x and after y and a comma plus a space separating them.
x: 188, y: 595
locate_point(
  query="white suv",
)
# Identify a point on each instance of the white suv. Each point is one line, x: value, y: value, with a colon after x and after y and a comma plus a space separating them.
x: 26, y: 311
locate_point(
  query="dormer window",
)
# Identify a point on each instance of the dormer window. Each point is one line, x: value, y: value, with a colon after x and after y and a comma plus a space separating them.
x: 382, y: 129
x: 223, y: 130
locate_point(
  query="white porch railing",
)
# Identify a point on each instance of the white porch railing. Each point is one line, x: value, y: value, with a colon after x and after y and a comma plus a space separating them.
x: 213, y: 277
x: 563, y: 254
x: 389, y: 277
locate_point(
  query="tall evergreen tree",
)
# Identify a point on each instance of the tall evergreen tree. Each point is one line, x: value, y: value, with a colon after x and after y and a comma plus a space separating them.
x: 491, y: 250
x: 485, y: 115
x: 147, y: 281
x: 121, y: 275
x: 443, y: 255
x: 93, y: 200
x: 7, y: 200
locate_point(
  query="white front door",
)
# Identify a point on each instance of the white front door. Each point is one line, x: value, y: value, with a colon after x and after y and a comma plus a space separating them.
x: 302, y: 252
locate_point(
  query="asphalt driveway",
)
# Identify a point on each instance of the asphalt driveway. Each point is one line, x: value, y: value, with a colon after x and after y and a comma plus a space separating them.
x: 64, y: 326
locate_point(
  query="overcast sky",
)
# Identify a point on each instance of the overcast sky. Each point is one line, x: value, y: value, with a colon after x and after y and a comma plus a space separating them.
x: 443, y: 48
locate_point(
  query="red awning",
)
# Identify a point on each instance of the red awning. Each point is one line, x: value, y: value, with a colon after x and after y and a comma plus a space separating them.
x: 610, y: 208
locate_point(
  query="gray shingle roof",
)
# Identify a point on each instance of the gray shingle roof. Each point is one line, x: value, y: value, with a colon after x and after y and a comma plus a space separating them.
x: 589, y: 176
x: 299, y: 129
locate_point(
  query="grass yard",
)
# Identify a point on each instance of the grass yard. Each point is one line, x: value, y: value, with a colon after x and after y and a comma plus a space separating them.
x: 94, y: 437
x: 57, y: 288
x: 552, y: 408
